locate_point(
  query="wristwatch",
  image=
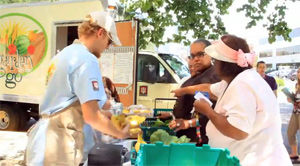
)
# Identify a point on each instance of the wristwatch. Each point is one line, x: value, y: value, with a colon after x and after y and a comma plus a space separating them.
x: 190, y: 123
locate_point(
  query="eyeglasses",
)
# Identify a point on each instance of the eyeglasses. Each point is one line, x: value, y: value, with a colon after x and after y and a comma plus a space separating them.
x: 198, y: 54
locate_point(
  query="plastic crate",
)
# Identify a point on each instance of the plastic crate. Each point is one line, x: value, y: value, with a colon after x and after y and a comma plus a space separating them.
x: 183, y: 154
x: 148, y: 130
x: 133, y: 153
x: 156, y: 111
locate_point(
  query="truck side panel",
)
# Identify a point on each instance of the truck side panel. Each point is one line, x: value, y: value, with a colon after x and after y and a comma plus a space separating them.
x: 30, y: 29
x: 27, y: 44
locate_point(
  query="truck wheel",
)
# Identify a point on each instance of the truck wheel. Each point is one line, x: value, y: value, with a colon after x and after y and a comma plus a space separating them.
x: 9, y: 118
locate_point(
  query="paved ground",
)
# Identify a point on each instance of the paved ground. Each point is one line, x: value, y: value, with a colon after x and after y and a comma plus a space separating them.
x: 12, y: 144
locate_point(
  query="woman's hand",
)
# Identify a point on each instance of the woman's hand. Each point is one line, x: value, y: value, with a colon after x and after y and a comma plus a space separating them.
x: 178, y: 92
x: 179, y: 124
x: 164, y: 115
x: 201, y: 106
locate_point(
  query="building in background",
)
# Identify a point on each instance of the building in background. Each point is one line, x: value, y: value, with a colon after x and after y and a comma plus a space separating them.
x: 281, y: 54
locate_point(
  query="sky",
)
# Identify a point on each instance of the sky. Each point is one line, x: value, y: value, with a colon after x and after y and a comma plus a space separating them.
x: 235, y: 24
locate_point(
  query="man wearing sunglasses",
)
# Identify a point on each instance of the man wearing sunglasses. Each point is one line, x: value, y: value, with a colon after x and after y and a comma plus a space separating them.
x: 184, y: 104
x: 74, y: 96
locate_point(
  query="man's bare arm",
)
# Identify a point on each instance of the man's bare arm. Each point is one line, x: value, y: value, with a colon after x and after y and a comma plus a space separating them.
x: 93, y: 116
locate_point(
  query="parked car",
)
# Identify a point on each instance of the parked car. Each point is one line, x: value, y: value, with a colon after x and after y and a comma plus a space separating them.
x: 292, y: 75
x: 269, y: 70
x: 283, y: 73
x: 273, y: 73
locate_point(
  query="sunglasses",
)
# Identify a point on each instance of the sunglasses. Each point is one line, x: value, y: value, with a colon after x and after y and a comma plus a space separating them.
x: 110, y: 42
x: 198, y: 54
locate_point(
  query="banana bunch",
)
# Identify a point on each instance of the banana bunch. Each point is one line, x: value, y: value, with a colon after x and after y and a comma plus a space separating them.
x: 119, y: 121
x: 135, y: 120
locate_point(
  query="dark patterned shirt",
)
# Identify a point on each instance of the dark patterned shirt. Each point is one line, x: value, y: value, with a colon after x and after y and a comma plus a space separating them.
x: 184, y: 104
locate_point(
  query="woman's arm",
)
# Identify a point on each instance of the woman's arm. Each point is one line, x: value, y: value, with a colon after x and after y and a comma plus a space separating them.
x: 192, y: 90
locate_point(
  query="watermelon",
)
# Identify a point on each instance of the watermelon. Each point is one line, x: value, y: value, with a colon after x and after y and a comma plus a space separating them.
x: 22, y: 42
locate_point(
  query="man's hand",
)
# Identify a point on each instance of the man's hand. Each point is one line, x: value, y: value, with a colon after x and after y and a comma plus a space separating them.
x: 92, y: 115
x: 164, y: 115
x: 177, y: 92
x: 179, y: 124
x: 125, y: 131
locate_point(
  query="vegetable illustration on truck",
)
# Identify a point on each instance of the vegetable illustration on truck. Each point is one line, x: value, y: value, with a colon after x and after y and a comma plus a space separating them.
x: 23, y: 45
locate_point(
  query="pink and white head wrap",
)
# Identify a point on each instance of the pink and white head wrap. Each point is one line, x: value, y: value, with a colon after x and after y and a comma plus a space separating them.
x: 222, y: 52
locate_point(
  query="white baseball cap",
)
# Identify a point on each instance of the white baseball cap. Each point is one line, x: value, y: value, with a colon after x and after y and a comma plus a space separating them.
x: 104, y: 20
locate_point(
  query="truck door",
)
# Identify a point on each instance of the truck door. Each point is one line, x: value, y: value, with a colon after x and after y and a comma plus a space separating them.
x: 153, y: 81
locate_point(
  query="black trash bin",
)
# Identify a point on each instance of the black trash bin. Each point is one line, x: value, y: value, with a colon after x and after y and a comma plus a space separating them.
x: 105, y: 155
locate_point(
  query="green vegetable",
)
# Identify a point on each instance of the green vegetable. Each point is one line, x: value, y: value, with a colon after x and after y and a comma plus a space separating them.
x: 167, y: 122
x: 159, y: 123
x: 22, y: 42
x: 183, y: 139
x: 163, y: 136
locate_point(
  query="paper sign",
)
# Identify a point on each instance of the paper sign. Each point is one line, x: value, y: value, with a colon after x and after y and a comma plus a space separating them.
x: 123, y: 68
x: 107, y: 65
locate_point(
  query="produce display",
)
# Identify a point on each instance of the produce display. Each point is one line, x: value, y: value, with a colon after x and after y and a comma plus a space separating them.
x: 138, y: 110
x: 120, y: 120
x: 151, y: 125
x: 163, y: 136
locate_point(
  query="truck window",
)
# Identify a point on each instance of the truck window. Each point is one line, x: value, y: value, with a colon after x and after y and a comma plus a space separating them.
x: 150, y: 70
x: 147, y: 68
x: 164, y: 75
x: 176, y: 64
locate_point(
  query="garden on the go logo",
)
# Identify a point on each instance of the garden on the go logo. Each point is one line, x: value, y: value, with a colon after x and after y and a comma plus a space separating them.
x: 23, y: 46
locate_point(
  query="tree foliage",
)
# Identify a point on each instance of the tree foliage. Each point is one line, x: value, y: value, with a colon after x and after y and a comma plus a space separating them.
x: 201, y: 17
